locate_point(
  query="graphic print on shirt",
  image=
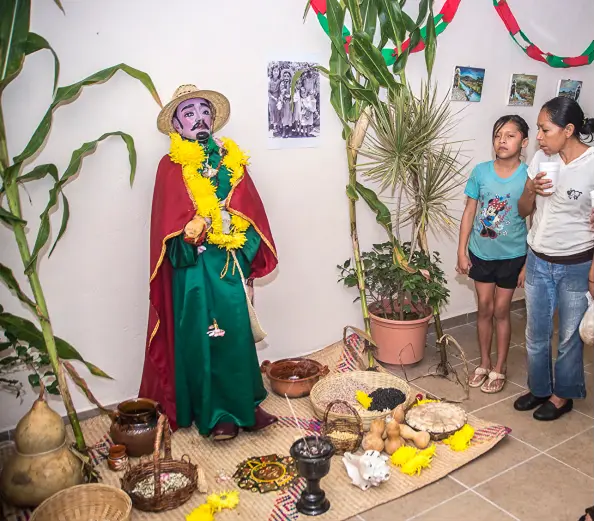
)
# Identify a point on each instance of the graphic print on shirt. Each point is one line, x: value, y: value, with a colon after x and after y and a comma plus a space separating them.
x: 573, y: 194
x: 492, y: 218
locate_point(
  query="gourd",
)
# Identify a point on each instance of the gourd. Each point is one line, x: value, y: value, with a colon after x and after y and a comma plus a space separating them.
x: 43, y: 464
x: 373, y: 439
x: 395, y: 441
x: 398, y: 414
x: 421, y: 439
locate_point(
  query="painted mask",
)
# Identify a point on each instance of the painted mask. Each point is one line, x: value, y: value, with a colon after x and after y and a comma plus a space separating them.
x: 193, y: 119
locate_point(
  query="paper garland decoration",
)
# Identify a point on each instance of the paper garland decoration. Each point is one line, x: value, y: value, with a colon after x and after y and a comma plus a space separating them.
x: 441, y: 21
x: 531, y: 50
x: 445, y: 16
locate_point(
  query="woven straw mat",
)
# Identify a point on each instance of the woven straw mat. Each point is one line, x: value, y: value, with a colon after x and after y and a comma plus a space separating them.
x: 346, y: 499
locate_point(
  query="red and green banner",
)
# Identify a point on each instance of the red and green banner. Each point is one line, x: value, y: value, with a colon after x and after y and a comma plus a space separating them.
x: 441, y: 21
x: 445, y: 16
x: 531, y: 49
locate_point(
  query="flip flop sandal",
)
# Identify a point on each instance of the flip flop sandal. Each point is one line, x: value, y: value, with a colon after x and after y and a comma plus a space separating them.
x: 479, y: 377
x: 494, y: 377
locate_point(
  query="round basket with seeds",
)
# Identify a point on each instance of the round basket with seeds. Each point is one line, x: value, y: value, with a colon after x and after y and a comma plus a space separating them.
x: 439, y: 419
x: 161, y: 483
x: 345, y: 434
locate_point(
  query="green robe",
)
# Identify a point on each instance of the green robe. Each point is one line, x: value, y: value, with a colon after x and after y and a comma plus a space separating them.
x: 218, y: 379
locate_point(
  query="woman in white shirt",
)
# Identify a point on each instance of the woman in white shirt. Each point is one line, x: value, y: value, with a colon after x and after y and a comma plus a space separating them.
x: 559, y: 258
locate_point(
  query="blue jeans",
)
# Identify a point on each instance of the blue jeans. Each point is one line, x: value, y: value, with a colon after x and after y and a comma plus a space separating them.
x: 549, y: 286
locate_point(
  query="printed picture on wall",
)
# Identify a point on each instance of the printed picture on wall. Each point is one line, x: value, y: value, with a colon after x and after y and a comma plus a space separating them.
x: 570, y: 88
x: 467, y: 84
x: 293, y: 121
x: 521, y: 91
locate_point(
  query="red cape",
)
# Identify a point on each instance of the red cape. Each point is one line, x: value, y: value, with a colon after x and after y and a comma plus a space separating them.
x: 172, y: 210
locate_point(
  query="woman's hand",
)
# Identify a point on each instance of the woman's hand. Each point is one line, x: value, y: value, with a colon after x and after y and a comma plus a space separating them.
x: 521, y: 281
x: 539, y: 185
x: 463, y: 264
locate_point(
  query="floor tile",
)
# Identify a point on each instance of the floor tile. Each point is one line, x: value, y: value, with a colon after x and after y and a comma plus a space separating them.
x: 414, y: 503
x: 516, y: 367
x: 577, y: 452
x: 540, y: 434
x: 520, y: 491
x: 466, y: 336
x: 450, y: 390
x: 468, y: 506
x: 503, y: 456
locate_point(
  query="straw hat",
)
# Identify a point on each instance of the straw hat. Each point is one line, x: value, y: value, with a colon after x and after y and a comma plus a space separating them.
x: 219, y: 103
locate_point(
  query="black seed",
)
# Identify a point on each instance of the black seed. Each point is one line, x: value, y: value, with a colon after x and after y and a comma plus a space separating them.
x: 386, y: 399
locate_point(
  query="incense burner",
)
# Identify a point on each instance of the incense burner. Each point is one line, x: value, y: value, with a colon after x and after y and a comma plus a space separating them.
x: 313, y: 458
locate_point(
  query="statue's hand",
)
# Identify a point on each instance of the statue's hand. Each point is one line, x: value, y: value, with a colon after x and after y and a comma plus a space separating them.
x: 195, y: 230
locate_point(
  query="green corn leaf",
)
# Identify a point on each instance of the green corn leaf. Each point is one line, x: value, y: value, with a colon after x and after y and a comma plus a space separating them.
x: 14, y: 29
x: 306, y: 10
x: 341, y: 99
x: 351, y: 194
x: 39, y: 172
x: 81, y: 383
x: 65, y: 218
x: 369, y: 61
x: 36, y: 43
x: 43, y: 233
x: 392, y: 24
x: 336, y: 16
x: 59, y: 4
x: 8, y: 277
x: 9, y: 218
x: 356, y: 15
x: 424, y: 5
x: 11, y: 173
x: 369, y: 13
x: 33, y: 380
x: 430, y: 51
x: 26, y: 331
x: 69, y: 93
x: 382, y: 212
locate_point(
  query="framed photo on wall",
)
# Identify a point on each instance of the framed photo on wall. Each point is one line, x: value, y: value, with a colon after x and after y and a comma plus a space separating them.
x: 570, y: 89
x: 521, y: 91
x: 467, y: 84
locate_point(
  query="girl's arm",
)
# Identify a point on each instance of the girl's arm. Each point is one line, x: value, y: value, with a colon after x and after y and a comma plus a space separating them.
x: 463, y: 262
x: 526, y: 204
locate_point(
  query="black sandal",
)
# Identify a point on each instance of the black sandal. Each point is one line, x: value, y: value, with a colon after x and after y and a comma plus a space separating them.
x: 588, y: 511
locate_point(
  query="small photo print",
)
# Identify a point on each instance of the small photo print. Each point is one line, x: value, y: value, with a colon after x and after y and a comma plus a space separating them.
x: 570, y: 88
x: 521, y: 91
x: 467, y: 84
x: 293, y: 119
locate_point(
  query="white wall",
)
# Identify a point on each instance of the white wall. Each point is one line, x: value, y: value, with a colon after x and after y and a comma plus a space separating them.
x: 96, y: 283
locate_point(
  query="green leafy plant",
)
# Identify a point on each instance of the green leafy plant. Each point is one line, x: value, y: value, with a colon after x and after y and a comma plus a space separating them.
x: 357, y: 79
x: 393, y: 292
x: 23, y: 337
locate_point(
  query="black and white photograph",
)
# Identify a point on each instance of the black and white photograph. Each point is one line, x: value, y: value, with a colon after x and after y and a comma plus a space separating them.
x: 293, y: 120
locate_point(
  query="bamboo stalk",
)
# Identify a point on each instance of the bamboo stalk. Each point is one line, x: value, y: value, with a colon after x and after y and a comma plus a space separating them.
x: 12, y: 195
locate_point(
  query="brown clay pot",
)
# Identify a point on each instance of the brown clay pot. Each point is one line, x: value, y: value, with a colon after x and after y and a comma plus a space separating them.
x: 294, y: 377
x: 134, y: 424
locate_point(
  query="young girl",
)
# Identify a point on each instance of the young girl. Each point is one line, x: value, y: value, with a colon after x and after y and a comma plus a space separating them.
x: 493, y: 244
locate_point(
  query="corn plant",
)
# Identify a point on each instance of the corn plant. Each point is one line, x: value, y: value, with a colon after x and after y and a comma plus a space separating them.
x: 17, y: 42
x: 357, y: 79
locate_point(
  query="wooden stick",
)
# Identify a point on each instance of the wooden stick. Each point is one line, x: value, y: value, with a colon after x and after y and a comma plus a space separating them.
x: 297, y: 424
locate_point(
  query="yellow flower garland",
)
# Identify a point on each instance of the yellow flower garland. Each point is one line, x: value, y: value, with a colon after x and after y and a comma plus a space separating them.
x: 192, y: 157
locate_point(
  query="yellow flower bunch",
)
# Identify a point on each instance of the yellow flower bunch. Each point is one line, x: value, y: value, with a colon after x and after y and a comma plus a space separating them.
x: 191, y: 156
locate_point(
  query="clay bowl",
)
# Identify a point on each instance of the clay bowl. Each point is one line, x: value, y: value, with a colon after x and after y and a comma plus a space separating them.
x: 294, y: 377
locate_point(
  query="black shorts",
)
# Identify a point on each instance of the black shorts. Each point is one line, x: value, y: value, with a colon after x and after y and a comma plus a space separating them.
x: 504, y: 272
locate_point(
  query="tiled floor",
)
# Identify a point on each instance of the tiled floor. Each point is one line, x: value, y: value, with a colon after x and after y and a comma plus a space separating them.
x: 541, y: 471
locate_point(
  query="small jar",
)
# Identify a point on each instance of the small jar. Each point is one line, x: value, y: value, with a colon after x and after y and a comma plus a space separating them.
x: 117, y: 459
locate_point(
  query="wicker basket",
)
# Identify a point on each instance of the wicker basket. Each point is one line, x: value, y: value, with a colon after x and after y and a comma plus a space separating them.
x: 372, y: 379
x: 161, y: 501
x: 330, y: 429
x: 85, y: 502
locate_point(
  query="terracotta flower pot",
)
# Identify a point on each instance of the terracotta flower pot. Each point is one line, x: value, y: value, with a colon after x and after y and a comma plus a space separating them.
x: 399, y: 342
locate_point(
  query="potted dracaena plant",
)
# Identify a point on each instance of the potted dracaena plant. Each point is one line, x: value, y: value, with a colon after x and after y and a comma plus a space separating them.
x: 38, y: 348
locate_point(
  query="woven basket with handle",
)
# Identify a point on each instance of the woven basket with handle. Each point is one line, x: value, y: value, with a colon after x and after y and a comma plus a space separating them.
x: 85, y: 502
x: 161, y: 501
x: 345, y: 434
x: 327, y: 387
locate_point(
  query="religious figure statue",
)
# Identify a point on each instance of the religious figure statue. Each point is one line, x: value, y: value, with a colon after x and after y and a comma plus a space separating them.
x: 210, y: 238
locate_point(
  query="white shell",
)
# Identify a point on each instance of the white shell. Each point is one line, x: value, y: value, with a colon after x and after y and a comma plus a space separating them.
x: 369, y: 469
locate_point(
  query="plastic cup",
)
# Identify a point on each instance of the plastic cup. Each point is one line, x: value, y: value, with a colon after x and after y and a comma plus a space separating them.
x: 552, y: 171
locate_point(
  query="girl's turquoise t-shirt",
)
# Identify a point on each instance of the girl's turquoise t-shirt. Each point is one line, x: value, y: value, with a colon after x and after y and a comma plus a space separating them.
x: 498, y: 230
